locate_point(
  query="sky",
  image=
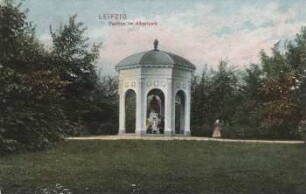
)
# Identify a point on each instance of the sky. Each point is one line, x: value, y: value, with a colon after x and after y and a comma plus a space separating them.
x: 204, y: 32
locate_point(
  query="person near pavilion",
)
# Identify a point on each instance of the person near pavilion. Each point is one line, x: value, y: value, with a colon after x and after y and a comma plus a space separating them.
x: 155, y: 129
x: 217, y: 129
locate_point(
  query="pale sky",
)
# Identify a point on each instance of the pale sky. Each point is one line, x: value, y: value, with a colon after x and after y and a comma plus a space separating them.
x: 201, y: 31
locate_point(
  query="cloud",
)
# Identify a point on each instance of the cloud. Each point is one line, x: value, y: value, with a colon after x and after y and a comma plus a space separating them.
x: 203, y: 34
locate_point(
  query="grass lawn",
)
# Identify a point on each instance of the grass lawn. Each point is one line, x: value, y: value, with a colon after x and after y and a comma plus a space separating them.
x: 158, y: 167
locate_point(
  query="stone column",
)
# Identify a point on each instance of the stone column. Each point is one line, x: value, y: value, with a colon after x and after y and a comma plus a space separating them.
x: 187, y: 112
x: 143, y: 107
x: 139, y: 107
x: 169, y: 101
x: 122, y: 112
x: 173, y: 109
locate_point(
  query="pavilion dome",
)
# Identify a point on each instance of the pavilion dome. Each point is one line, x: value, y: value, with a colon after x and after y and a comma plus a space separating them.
x: 154, y: 58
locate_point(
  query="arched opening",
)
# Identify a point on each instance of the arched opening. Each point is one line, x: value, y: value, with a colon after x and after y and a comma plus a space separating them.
x: 155, y: 122
x: 180, y: 102
x: 130, y: 111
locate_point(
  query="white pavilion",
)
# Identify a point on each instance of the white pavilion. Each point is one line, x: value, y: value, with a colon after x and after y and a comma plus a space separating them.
x: 161, y: 83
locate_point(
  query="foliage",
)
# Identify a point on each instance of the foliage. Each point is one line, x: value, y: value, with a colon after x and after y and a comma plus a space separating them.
x: 29, y: 116
x: 215, y: 96
x: 90, y: 103
x: 103, y: 115
x: 266, y: 100
x: 74, y: 59
x: 45, y: 94
x: 29, y: 90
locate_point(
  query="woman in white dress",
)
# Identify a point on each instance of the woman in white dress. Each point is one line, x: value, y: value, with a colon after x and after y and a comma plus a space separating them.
x: 217, y: 130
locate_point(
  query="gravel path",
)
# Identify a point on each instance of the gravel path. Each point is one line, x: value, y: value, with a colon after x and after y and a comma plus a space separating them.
x: 167, y: 138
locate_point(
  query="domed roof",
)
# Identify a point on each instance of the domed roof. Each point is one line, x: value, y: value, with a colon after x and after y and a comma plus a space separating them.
x: 154, y: 58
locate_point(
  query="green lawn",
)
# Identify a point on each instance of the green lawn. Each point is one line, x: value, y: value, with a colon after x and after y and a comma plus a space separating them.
x: 158, y: 167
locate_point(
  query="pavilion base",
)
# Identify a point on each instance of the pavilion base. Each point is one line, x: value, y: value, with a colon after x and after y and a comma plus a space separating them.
x: 169, y: 133
x: 144, y: 133
x: 187, y: 133
x: 121, y: 132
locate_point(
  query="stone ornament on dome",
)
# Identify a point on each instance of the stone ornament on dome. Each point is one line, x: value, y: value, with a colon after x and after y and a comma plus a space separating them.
x: 155, y: 43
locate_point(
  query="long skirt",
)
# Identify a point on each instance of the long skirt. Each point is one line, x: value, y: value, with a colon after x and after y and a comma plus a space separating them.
x: 217, y: 132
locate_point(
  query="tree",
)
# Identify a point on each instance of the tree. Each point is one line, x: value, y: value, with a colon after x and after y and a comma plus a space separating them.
x: 75, y: 59
x: 283, y: 99
x: 246, y: 115
x: 214, y: 96
x: 103, y: 115
x: 224, y: 93
x: 19, y: 49
x: 31, y: 117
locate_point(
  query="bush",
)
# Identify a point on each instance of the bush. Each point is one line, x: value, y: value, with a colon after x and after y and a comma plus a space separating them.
x: 202, y: 131
x: 98, y: 128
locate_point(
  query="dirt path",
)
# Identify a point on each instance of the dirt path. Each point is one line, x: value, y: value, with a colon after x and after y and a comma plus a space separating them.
x: 167, y: 138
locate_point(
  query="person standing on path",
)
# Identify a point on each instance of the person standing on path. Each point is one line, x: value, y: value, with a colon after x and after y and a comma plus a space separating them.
x: 217, y: 129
